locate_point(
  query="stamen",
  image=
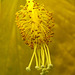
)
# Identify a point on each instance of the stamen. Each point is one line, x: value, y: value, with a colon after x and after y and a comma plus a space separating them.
x: 46, y: 55
x: 42, y: 57
x: 39, y: 57
x: 35, y: 24
x: 28, y: 68
x: 49, y: 65
x: 36, y: 61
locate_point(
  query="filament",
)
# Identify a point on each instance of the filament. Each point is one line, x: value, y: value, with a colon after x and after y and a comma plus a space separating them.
x: 42, y: 56
x: 48, y: 54
x: 36, y: 59
x: 39, y: 57
x: 32, y: 56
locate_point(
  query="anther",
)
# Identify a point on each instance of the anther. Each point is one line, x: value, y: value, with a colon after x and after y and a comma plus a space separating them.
x: 25, y: 8
x: 34, y: 5
x: 28, y: 1
x: 39, y: 17
x: 32, y: 1
x: 23, y: 39
x: 51, y: 18
x: 39, y: 9
x: 51, y: 35
x: 38, y: 26
x: 53, y: 25
x: 27, y: 5
x: 29, y: 16
x: 41, y: 21
x: 26, y: 42
x: 37, y: 4
x: 21, y: 32
x: 32, y: 31
x: 40, y: 14
x: 49, y: 27
x: 32, y: 22
x: 37, y: 36
x: 43, y: 9
x: 31, y: 45
x: 47, y: 12
x: 35, y: 42
x: 33, y: 38
x: 50, y: 41
x: 36, y: 30
x: 33, y: 8
x: 24, y: 15
x: 21, y: 6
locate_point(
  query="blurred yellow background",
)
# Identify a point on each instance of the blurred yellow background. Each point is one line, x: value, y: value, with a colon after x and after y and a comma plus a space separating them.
x: 15, y: 55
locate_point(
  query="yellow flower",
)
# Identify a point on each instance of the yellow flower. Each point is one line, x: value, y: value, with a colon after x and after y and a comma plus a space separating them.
x: 35, y: 24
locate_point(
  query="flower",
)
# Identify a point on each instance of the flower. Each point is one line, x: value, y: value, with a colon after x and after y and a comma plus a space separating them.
x: 35, y: 24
